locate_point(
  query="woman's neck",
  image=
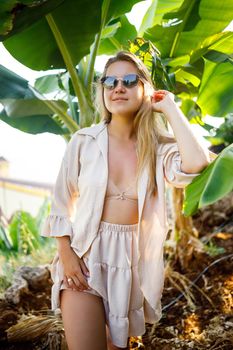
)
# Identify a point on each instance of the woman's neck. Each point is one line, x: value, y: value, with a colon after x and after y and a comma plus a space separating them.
x: 122, y: 129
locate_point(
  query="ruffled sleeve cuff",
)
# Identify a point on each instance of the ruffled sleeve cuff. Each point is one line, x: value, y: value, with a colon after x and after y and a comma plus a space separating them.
x: 172, y: 166
x: 175, y: 176
x: 57, y: 226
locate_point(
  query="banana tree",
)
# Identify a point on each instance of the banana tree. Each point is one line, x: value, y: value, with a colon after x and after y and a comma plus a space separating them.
x: 197, y: 55
x: 67, y: 35
x: 194, y: 51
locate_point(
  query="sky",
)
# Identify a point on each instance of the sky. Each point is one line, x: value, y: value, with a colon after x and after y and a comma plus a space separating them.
x: 38, y: 157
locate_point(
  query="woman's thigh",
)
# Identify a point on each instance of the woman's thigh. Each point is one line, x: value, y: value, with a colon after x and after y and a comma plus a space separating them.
x: 83, y: 318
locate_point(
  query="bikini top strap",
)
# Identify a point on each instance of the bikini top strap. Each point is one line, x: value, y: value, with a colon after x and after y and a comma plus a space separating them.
x: 124, y: 191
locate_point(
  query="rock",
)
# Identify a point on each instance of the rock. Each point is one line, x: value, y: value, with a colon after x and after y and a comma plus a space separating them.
x: 26, y: 278
x: 36, y: 277
x: 18, y: 288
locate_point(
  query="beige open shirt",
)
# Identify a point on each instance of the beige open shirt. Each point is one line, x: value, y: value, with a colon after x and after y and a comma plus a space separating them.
x: 78, y: 201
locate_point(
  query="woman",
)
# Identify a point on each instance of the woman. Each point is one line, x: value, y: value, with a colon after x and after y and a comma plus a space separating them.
x: 108, y: 209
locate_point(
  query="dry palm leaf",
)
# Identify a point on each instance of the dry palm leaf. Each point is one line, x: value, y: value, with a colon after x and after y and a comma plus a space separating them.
x: 32, y: 327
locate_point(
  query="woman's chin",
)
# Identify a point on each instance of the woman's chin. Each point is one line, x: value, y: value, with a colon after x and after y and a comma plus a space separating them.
x: 122, y: 112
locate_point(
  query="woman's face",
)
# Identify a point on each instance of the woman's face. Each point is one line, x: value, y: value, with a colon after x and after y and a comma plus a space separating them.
x: 121, y: 100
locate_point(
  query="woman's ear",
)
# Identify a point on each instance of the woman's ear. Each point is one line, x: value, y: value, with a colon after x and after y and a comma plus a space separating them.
x: 148, y: 90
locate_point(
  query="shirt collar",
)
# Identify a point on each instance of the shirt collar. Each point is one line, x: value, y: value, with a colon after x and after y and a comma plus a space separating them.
x: 93, y: 130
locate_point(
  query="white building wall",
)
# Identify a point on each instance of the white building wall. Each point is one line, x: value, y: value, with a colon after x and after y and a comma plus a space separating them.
x: 12, y: 200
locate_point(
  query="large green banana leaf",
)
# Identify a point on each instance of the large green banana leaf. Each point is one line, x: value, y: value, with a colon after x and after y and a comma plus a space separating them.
x: 16, y: 15
x: 75, y: 22
x: 190, y: 39
x: 62, y: 38
x: 216, y: 90
x: 187, y: 69
x: 212, y: 184
x: 183, y: 30
x: 156, y: 11
x: 35, y: 124
x: 25, y: 111
x: 119, y: 41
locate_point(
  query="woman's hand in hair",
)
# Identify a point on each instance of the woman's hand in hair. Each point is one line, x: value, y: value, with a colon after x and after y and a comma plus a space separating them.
x: 162, y: 100
x: 194, y: 156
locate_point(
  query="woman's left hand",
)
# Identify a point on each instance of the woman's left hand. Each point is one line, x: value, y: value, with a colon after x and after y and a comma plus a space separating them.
x: 162, y: 100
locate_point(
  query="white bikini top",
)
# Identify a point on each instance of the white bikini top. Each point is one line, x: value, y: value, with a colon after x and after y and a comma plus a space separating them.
x: 113, y: 192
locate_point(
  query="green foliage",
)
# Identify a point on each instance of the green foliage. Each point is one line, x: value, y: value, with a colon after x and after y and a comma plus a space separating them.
x: 21, y: 244
x: 216, y: 89
x: 151, y: 57
x: 224, y: 134
x: 183, y: 30
x: 17, y: 15
x: 116, y: 35
x: 77, y: 33
x: 213, y: 250
x: 194, y: 62
x: 212, y: 184
x: 5, y: 282
x: 5, y: 240
x: 23, y: 110
x: 23, y: 233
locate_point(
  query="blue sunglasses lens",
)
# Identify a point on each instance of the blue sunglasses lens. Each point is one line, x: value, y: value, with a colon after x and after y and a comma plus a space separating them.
x: 128, y: 81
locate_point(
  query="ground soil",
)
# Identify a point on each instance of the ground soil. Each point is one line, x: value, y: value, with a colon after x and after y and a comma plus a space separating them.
x: 208, y: 323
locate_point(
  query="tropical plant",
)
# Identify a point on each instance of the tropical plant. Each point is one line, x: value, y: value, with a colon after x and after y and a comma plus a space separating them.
x: 215, y: 182
x: 223, y: 134
x: 21, y: 235
x: 50, y: 43
x: 189, y: 35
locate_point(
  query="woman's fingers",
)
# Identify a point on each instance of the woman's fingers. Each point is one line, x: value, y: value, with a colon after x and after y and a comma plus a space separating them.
x: 159, y: 95
x: 75, y: 273
x: 80, y: 282
x: 84, y: 268
x: 65, y: 280
x: 75, y: 283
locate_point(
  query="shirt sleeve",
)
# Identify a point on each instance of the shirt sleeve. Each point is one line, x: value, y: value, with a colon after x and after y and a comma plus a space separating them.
x: 172, y: 166
x: 65, y: 192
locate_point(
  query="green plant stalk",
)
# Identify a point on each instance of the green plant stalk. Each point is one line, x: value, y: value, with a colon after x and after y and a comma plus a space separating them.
x: 95, y: 46
x: 69, y: 100
x: 115, y: 42
x: 70, y: 123
x: 177, y: 37
x: 71, y: 105
x: 77, y: 84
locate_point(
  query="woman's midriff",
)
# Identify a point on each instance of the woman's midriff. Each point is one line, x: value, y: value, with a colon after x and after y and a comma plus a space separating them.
x: 121, y: 212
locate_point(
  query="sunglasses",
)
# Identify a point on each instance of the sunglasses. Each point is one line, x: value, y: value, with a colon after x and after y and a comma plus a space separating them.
x: 128, y: 81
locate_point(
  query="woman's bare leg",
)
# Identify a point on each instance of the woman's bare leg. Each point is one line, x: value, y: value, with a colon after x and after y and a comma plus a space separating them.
x: 83, y: 317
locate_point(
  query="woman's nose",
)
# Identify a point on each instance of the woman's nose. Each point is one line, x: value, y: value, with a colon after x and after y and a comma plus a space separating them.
x: 119, y: 86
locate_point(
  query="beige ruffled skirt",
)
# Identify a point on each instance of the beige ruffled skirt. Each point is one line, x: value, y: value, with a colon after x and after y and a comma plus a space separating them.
x: 112, y: 261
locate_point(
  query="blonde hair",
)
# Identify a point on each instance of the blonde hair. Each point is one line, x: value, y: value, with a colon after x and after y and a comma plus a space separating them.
x: 148, y: 125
